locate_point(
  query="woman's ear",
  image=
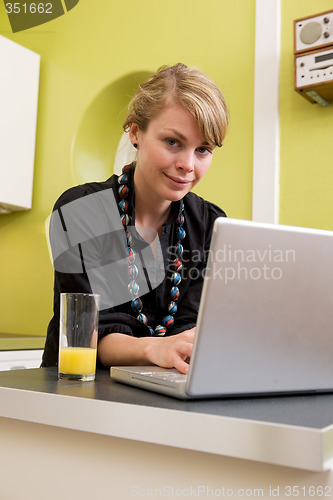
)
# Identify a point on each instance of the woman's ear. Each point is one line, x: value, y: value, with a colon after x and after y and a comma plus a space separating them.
x: 134, y: 134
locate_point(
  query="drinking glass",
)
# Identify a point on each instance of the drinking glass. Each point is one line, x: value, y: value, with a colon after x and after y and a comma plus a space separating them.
x: 78, y: 334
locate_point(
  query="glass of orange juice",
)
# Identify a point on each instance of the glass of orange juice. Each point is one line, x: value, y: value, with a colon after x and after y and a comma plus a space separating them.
x: 78, y: 335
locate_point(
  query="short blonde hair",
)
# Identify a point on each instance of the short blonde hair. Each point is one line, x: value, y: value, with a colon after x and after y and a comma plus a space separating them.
x: 191, y: 88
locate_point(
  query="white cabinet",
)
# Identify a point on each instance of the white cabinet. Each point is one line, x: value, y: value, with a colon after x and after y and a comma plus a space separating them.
x: 14, y: 360
x: 19, y: 82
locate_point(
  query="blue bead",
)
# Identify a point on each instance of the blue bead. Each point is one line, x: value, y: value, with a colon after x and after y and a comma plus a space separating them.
x: 130, y: 255
x: 128, y: 238
x: 133, y: 272
x: 160, y: 330
x: 172, y: 308
x: 133, y: 288
x: 180, y: 232
x: 123, y: 191
x: 137, y: 305
x: 122, y: 179
x: 177, y: 265
x: 124, y: 218
x: 168, y: 321
x: 123, y: 204
x: 179, y: 249
x: 143, y: 318
x: 180, y: 219
x: 176, y: 278
x: 174, y: 293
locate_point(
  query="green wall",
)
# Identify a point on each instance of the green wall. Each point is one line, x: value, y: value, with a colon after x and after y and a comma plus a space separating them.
x: 91, y: 60
x: 306, y: 132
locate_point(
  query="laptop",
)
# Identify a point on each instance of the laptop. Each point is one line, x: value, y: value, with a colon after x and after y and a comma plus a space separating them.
x: 265, y: 321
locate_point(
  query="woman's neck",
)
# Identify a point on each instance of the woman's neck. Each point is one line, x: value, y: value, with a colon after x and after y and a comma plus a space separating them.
x: 150, y: 210
x: 150, y: 216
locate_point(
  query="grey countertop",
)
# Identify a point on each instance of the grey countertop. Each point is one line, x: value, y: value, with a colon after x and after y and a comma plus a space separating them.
x: 314, y: 411
x: 295, y: 431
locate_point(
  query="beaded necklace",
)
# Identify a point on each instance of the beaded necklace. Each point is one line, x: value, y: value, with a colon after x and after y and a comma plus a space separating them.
x: 175, y: 278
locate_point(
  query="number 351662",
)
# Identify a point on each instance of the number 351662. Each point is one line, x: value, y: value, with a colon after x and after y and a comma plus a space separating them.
x: 25, y: 8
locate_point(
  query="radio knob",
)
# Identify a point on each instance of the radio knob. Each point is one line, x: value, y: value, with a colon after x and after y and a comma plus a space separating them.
x: 302, y: 65
x: 326, y: 20
x: 326, y: 34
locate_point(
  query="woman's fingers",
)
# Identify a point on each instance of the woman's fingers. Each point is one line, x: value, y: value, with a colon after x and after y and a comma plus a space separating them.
x: 172, y: 352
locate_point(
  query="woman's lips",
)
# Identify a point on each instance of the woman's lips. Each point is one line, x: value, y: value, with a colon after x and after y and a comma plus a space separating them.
x: 178, y: 181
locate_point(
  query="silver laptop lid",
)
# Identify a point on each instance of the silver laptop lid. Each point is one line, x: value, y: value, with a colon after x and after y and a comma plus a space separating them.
x: 265, y: 322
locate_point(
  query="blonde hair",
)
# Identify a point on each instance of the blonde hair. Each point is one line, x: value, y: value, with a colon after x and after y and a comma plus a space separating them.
x: 191, y: 88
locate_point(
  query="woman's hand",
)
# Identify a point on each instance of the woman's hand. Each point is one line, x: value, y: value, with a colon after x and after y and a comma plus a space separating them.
x: 168, y: 352
x: 171, y: 352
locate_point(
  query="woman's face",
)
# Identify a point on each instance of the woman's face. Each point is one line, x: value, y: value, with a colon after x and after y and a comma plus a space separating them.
x: 172, y: 154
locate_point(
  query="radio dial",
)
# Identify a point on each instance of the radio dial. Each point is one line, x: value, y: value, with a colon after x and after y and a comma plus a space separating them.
x: 326, y: 20
x: 326, y: 34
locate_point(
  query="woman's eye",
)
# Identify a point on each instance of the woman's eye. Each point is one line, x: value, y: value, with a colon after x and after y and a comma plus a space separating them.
x: 203, y: 150
x: 172, y: 142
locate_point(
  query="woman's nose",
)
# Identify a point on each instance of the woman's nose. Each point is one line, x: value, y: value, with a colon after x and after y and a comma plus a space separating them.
x: 185, y: 161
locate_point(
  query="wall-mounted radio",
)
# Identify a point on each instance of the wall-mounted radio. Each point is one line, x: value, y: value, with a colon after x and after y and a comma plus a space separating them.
x: 313, y: 48
x: 313, y: 32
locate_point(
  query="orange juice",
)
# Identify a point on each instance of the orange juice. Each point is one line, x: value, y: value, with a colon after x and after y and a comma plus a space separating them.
x: 77, y: 360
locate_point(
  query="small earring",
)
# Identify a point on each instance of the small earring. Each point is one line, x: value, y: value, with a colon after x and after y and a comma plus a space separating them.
x: 135, y: 145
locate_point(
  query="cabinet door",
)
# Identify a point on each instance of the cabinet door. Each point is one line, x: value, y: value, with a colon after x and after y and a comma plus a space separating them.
x: 19, y: 81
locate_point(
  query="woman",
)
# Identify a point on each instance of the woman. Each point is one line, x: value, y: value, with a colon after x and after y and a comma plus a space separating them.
x: 175, y: 121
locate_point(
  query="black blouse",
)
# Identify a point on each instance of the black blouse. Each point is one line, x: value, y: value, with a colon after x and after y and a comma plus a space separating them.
x: 88, y: 246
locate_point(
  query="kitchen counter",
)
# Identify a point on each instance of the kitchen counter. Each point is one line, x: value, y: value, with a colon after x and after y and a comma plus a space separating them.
x: 293, y: 431
x: 62, y: 439
x: 16, y: 342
